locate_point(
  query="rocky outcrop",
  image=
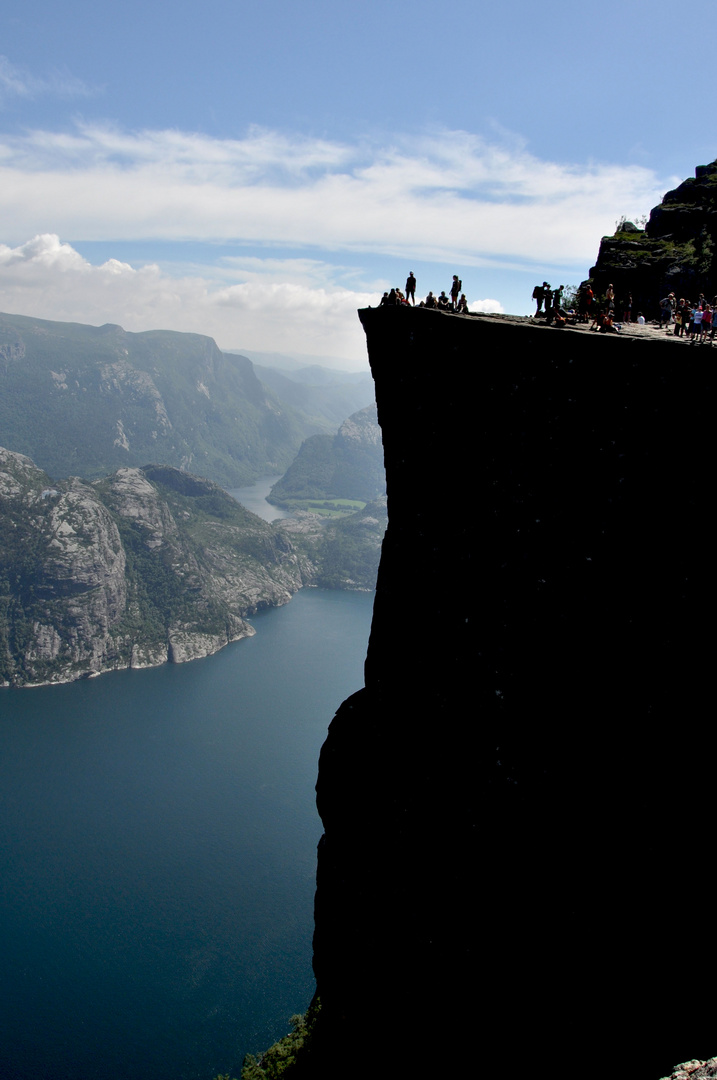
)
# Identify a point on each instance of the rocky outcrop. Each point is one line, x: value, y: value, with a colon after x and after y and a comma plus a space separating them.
x: 144, y: 567
x: 694, y: 1070
x: 677, y: 252
x: 518, y: 805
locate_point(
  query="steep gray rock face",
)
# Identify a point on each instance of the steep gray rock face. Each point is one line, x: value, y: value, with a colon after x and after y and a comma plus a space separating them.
x: 131, y: 495
x: 131, y: 571
x: 64, y: 589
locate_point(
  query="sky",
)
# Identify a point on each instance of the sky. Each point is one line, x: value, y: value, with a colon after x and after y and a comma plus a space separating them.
x: 258, y: 171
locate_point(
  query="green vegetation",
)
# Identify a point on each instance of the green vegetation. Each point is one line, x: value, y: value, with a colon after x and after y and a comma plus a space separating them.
x: 326, y: 507
x: 344, y: 469
x: 287, y: 1057
x: 84, y: 401
x: 350, y: 551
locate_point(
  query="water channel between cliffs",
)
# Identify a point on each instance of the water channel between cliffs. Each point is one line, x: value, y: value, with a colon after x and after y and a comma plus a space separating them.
x: 159, y: 831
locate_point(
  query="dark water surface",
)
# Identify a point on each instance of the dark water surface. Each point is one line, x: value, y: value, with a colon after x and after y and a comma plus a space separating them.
x: 157, y: 836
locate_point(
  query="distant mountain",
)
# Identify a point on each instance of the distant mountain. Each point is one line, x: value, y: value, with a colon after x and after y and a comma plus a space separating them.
x: 151, y: 565
x: 322, y: 396
x: 86, y: 400
x: 301, y: 361
x: 144, y: 566
x: 348, y: 465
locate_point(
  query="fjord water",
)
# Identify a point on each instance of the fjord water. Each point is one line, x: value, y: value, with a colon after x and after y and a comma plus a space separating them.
x: 158, y: 835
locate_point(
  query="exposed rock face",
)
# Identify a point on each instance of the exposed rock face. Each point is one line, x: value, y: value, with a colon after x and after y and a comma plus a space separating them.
x: 676, y: 253
x: 140, y: 568
x: 694, y: 1070
x: 511, y: 801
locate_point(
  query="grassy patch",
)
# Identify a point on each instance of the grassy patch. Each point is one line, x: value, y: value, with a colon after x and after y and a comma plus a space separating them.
x: 326, y: 507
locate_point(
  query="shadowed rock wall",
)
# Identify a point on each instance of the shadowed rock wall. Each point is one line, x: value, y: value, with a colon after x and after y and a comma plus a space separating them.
x: 518, y: 806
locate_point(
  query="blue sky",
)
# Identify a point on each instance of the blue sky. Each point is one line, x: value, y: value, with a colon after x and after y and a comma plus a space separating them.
x: 258, y: 171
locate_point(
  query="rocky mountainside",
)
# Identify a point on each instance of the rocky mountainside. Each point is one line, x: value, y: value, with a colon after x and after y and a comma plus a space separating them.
x: 145, y: 566
x: 677, y: 251
x: 87, y: 400
x: 347, y: 465
x: 345, y: 550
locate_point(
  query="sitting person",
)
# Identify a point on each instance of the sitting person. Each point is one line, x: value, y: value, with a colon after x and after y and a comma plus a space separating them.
x: 431, y: 300
x: 463, y: 305
x: 608, y: 325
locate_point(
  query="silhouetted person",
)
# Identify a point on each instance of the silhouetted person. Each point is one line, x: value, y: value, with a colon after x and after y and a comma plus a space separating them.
x: 411, y: 288
x: 539, y: 296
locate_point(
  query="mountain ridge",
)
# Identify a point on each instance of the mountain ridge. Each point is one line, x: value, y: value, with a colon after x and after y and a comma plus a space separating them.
x: 86, y: 400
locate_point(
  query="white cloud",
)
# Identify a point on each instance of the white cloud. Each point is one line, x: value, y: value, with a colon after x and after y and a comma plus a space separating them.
x: 448, y: 197
x: 488, y: 306
x: 49, y: 279
x: 17, y: 82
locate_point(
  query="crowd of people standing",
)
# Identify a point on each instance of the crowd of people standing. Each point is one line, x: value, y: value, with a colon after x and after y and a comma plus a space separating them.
x: 695, y: 321
x: 456, y: 302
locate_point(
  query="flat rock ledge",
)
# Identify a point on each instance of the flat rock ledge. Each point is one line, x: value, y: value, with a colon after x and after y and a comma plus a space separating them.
x: 693, y: 1070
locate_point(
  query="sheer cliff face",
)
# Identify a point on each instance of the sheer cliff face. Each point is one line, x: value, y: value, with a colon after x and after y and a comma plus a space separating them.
x: 510, y: 800
x: 143, y: 567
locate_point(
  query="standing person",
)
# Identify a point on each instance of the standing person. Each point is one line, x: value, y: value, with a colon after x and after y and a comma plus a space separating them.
x: 706, y: 325
x: 539, y: 296
x: 627, y: 305
x: 411, y: 288
x: 610, y: 297
x: 584, y: 301
x: 666, y: 309
x: 714, y: 320
x: 455, y: 291
x: 548, y: 297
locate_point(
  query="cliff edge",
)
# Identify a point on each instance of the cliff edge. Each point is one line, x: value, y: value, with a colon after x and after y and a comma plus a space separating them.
x: 518, y: 804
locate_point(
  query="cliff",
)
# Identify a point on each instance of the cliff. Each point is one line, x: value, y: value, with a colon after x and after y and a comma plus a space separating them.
x: 677, y: 252
x: 518, y: 805
x: 146, y: 566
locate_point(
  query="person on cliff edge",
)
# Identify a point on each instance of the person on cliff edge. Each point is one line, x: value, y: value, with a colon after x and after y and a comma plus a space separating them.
x: 411, y: 288
x: 539, y: 296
